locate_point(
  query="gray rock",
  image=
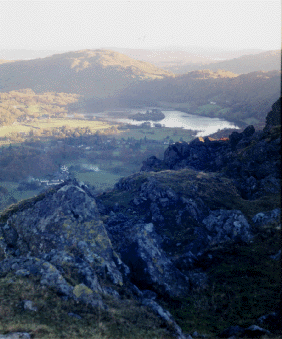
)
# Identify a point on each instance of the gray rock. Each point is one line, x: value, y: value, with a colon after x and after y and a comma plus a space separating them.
x: 263, y: 218
x: 15, y: 335
x: 165, y: 315
x: 51, y: 277
x: 255, y: 331
x: 271, y: 320
x: 22, y: 273
x: 29, y: 306
x: 65, y: 220
x: 224, y: 225
x: 197, y: 278
x: 150, y: 266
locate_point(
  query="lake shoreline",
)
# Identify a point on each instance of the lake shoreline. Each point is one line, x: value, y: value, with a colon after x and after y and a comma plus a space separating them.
x: 202, y: 125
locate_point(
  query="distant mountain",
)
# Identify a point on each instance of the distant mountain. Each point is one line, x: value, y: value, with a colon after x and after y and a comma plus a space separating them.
x: 195, y: 54
x: 26, y: 54
x: 266, y: 61
x: 215, y: 52
x: 98, y: 73
x: 166, y: 58
x: 183, y: 60
x: 3, y: 61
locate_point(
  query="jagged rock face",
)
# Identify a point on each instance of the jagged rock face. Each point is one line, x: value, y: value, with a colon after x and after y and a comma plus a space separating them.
x: 251, y: 158
x: 67, y: 220
x: 273, y: 118
x: 146, y: 240
x: 150, y: 266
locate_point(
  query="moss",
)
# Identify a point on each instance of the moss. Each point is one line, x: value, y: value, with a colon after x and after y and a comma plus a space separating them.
x: 81, y: 289
x: 124, y: 319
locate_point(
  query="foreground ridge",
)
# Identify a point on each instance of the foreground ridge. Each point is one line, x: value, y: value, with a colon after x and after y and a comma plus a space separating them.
x: 172, y: 250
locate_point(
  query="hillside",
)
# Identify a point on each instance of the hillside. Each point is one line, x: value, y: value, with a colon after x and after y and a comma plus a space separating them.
x: 111, y: 79
x: 222, y: 94
x: 176, y: 58
x: 191, y: 248
x: 265, y: 61
x: 97, y: 73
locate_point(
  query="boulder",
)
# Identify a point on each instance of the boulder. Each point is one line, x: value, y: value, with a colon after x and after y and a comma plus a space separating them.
x: 15, y: 335
x: 224, y: 225
x: 263, y: 218
x: 65, y: 220
x: 150, y: 266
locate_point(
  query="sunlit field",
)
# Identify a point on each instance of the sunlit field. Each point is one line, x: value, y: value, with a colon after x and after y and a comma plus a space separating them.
x: 53, y: 123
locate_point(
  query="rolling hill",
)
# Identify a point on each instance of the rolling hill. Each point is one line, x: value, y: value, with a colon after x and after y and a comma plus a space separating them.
x: 266, y: 61
x: 98, y: 73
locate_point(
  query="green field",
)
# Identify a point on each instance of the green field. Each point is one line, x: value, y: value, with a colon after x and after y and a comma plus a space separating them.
x: 158, y: 134
x: 19, y: 195
x: 53, y: 123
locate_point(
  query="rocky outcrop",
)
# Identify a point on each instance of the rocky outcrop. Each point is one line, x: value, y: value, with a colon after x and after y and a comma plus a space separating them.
x: 64, y: 220
x: 60, y: 239
x: 150, y: 266
x: 274, y: 116
x: 251, y: 158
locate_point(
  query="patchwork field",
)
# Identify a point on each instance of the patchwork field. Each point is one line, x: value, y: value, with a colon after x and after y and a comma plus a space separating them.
x: 53, y: 123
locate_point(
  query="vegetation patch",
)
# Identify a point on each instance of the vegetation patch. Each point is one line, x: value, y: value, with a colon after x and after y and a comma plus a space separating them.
x: 57, y: 318
x: 243, y: 285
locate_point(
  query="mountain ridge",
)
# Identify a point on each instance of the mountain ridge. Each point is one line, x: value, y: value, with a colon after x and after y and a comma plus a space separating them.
x: 265, y: 61
x: 89, y: 72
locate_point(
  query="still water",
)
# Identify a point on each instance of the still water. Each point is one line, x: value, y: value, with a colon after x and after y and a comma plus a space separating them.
x: 204, y: 125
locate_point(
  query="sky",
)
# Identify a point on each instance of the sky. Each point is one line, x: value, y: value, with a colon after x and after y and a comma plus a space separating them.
x: 73, y: 25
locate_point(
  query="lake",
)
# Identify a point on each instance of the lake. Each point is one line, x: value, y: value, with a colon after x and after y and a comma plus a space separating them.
x: 204, y: 125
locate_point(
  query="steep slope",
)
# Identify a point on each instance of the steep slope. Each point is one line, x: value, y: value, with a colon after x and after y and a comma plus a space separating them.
x: 99, y: 73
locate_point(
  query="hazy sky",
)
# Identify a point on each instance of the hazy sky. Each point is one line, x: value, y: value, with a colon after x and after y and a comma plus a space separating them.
x: 62, y: 25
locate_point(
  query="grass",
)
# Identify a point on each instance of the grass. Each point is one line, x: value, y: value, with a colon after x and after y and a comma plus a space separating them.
x: 19, y: 195
x: 34, y: 109
x: 102, y: 180
x: 216, y: 191
x: 50, y: 124
x: 158, y: 134
x: 125, y: 318
x: 243, y: 279
x: 244, y: 285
